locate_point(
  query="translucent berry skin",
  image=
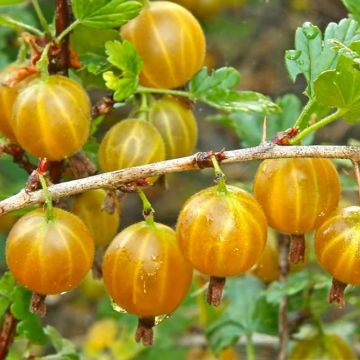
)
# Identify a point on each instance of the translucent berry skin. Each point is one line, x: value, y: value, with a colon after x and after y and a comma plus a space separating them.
x: 326, y: 347
x: 337, y: 243
x: 51, y: 117
x: 176, y: 124
x: 296, y: 194
x: 102, y: 225
x: 130, y: 142
x: 222, y: 234
x: 170, y: 42
x: 144, y: 270
x: 49, y: 257
x: 8, y: 96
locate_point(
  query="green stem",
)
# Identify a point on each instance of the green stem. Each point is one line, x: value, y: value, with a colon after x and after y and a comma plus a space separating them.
x: 70, y: 28
x: 43, y: 63
x: 146, y: 90
x: 219, y: 175
x: 300, y: 122
x: 24, y: 26
x: 320, y: 124
x: 250, y: 349
x: 48, y: 199
x: 148, y: 210
x: 144, y: 107
x: 22, y: 54
x: 41, y: 17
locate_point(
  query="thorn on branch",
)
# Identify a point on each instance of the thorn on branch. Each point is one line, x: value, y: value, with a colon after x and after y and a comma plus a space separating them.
x: 110, y: 202
x: 203, y: 159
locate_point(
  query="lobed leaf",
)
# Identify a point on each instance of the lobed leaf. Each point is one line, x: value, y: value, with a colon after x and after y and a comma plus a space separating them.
x: 313, y: 54
x: 105, y: 14
x: 124, y: 57
x: 217, y: 89
x: 340, y: 88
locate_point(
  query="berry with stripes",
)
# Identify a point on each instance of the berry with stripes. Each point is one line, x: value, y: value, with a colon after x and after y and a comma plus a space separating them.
x: 102, y: 224
x: 9, y: 91
x: 131, y: 142
x: 51, y: 117
x: 221, y: 233
x: 170, y: 42
x: 337, y: 243
x: 176, y: 124
x: 296, y: 194
x: 146, y: 274
x: 49, y: 256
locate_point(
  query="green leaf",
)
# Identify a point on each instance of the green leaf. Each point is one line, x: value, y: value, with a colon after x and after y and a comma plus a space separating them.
x: 340, y: 88
x: 218, y: 89
x: 104, y: 14
x: 353, y: 7
x: 11, y: 2
x: 247, y: 312
x: 7, y: 284
x: 249, y: 127
x: 63, y: 347
x: 123, y: 56
x: 313, y: 53
x: 29, y: 324
x: 81, y: 35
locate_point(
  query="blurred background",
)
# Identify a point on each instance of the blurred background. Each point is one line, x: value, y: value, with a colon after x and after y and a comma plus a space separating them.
x: 252, y: 36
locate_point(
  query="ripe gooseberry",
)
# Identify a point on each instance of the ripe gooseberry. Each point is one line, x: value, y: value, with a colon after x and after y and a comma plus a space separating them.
x: 51, y: 117
x: 8, y: 95
x: 130, y: 142
x: 326, y: 347
x: 146, y: 274
x: 296, y: 194
x: 337, y: 243
x: 170, y: 42
x: 221, y: 233
x: 102, y: 225
x: 176, y: 124
x: 49, y: 256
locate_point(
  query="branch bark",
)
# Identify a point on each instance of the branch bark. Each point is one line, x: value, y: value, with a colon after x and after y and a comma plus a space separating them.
x: 112, y: 180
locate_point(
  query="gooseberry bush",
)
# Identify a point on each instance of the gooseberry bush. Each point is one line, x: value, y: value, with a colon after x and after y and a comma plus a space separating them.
x: 101, y: 102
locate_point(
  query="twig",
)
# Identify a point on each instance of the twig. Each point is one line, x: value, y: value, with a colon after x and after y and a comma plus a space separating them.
x: 112, y: 180
x: 61, y: 61
x: 284, y: 243
x: 7, y: 333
